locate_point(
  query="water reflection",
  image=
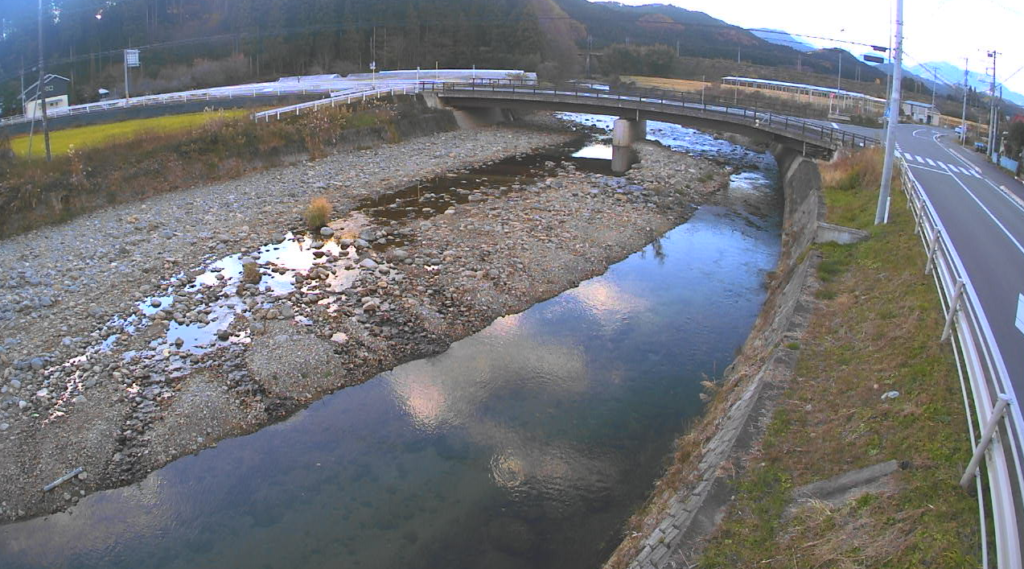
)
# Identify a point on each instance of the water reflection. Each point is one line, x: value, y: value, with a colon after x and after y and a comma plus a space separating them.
x: 524, y: 446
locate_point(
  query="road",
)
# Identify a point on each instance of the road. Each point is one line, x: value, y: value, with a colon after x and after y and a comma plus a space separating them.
x: 982, y: 209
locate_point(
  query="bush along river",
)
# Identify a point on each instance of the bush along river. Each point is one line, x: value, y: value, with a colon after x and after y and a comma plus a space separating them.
x: 526, y: 445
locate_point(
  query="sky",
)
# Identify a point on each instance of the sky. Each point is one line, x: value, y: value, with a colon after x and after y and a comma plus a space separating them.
x: 934, y: 30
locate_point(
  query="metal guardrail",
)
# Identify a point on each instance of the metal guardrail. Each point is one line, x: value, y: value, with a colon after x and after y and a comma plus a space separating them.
x: 672, y: 101
x: 343, y: 99
x: 998, y: 438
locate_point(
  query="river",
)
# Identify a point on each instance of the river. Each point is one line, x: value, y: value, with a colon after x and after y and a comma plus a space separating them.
x: 526, y: 445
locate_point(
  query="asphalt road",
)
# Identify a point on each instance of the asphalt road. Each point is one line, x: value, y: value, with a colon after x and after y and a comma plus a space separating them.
x: 982, y: 209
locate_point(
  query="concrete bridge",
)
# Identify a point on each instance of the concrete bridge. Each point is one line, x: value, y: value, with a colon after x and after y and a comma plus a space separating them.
x: 488, y: 103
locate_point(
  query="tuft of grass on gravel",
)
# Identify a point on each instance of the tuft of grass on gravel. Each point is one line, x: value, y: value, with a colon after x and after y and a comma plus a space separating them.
x: 251, y: 273
x: 877, y: 329
x: 317, y: 213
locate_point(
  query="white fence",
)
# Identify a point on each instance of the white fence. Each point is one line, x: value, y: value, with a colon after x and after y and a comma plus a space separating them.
x: 335, y: 100
x: 996, y: 437
x: 221, y: 93
x: 322, y: 85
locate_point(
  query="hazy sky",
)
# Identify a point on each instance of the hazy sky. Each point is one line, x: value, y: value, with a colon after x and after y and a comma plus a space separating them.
x: 935, y: 30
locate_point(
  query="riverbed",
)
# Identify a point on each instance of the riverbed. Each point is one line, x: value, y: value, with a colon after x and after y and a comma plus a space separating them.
x: 527, y: 444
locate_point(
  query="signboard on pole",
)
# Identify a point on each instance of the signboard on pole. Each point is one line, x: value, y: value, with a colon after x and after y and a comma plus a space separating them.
x: 131, y: 57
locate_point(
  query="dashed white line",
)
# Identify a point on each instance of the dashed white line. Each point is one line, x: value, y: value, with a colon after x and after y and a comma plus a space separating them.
x: 930, y: 163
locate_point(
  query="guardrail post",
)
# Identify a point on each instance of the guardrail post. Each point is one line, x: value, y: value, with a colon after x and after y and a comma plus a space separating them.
x: 933, y: 245
x: 954, y: 306
x: 986, y: 438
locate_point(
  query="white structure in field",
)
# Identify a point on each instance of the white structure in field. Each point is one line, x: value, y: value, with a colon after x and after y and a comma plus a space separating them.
x: 921, y: 112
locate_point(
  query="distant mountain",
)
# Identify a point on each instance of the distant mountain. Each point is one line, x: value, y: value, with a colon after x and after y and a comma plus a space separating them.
x: 780, y: 37
x: 696, y: 34
x: 952, y: 74
x: 887, y: 69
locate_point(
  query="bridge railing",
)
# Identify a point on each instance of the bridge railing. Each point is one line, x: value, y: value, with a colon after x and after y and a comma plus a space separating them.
x: 994, y: 420
x: 765, y: 119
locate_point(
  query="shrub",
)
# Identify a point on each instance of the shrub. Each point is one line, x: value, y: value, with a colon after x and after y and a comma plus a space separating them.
x: 859, y: 170
x: 317, y: 213
x: 251, y: 273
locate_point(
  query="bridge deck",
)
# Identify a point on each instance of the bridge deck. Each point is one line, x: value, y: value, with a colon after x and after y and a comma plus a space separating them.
x: 668, y: 106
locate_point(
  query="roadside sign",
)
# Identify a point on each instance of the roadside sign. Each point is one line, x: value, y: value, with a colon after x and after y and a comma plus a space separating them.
x: 873, y: 59
x: 373, y: 65
x: 131, y: 57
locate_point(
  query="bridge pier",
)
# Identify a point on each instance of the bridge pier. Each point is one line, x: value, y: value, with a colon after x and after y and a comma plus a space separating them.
x: 624, y: 133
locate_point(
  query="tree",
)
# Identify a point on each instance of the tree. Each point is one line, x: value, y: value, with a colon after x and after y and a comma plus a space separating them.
x: 1015, y: 138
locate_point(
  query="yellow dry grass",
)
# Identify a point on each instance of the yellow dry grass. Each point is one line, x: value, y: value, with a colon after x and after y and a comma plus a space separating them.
x: 317, y: 213
x: 664, y: 83
x: 103, y: 134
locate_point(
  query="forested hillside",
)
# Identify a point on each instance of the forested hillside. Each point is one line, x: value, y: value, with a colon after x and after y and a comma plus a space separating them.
x: 195, y: 43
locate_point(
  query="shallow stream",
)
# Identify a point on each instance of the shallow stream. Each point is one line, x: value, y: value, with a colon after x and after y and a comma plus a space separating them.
x: 527, y: 445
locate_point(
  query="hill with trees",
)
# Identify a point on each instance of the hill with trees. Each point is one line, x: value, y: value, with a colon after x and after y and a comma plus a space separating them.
x: 196, y: 43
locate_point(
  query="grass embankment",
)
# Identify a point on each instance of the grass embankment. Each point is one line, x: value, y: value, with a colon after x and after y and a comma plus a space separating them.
x: 102, y: 134
x: 34, y: 193
x: 877, y: 330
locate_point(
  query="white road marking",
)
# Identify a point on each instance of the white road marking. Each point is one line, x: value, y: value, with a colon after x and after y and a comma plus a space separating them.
x: 1014, y: 199
x: 930, y: 163
x: 991, y: 215
x: 1020, y: 313
x: 919, y: 159
x: 927, y: 169
x: 973, y: 170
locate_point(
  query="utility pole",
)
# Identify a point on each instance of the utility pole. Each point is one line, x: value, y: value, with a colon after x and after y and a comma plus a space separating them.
x: 993, y: 119
x: 42, y: 87
x: 590, y: 48
x: 839, y: 82
x: 882, y: 212
x: 963, y: 120
x: 935, y: 83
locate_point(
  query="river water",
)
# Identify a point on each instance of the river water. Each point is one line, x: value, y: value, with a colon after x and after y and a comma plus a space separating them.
x: 526, y: 445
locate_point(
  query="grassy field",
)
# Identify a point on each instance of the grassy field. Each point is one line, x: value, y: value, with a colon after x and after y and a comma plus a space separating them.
x: 101, y: 134
x: 663, y: 83
x: 876, y: 330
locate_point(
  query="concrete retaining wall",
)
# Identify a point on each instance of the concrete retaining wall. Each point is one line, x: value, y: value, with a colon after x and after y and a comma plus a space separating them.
x: 677, y: 519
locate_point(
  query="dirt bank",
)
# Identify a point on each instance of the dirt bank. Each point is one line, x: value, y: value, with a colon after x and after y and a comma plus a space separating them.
x: 129, y: 338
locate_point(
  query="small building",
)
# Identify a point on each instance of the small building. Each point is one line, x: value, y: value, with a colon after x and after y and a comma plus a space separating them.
x: 102, y: 94
x: 920, y: 112
x: 55, y: 90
